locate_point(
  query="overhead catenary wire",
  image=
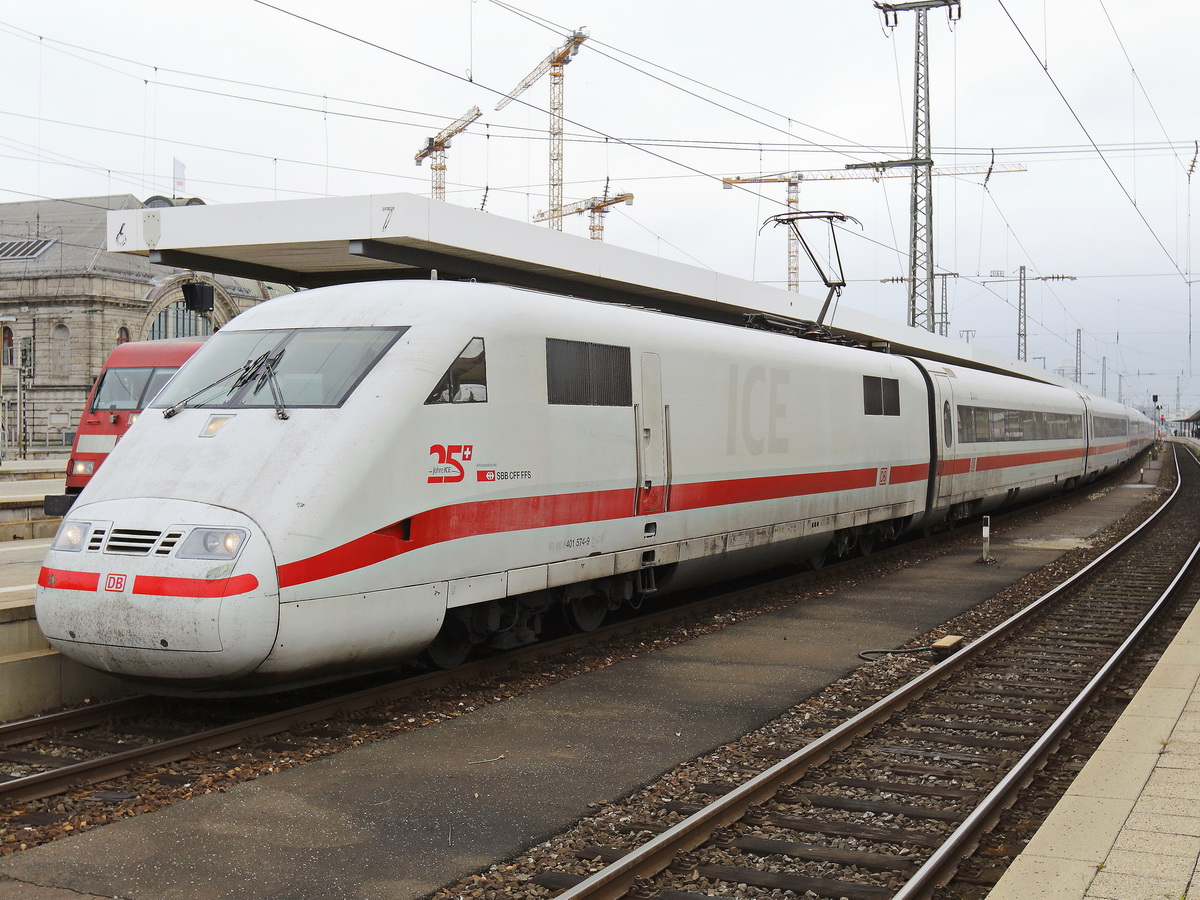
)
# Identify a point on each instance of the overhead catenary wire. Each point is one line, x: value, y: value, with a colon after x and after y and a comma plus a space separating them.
x: 1104, y: 159
x: 165, y: 84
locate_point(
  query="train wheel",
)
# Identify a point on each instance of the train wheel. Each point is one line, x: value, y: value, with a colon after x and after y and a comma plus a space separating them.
x: 818, y: 561
x: 451, y: 647
x: 585, y: 613
x: 866, y: 544
x: 843, y: 543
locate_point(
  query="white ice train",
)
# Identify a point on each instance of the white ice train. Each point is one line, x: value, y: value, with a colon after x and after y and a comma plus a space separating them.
x: 346, y: 477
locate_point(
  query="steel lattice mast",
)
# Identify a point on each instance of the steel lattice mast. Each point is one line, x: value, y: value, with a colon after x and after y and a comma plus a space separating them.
x: 920, y: 293
x: 920, y: 302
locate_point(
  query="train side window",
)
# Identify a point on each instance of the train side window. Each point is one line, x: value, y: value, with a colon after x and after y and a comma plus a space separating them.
x: 583, y: 374
x: 466, y: 379
x: 881, y: 396
x: 947, y: 424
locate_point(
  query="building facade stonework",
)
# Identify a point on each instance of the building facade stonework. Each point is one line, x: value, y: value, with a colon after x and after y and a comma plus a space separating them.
x: 65, y: 302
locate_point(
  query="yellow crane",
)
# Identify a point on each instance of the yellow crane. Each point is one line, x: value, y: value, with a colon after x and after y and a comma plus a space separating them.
x: 436, y: 147
x: 793, y: 180
x: 596, y: 207
x: 554, y: 65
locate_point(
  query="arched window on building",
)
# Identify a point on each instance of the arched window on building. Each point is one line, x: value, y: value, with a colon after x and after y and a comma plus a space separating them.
x: 7, y: 358
x: 122, y: 335
x: 60, y: 343
x: 179, y: 321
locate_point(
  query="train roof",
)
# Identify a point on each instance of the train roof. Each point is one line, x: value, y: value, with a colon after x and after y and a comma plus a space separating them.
x: 162, y: 352
x: 337, y: 240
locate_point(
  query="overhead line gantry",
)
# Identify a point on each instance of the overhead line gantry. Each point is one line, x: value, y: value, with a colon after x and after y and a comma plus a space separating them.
x: 873, y: 171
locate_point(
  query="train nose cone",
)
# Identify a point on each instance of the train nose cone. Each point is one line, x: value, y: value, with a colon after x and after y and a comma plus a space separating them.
x: 171, y: 592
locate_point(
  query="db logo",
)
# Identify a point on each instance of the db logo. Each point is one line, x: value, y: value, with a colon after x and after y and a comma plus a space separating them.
x: 114, y: 583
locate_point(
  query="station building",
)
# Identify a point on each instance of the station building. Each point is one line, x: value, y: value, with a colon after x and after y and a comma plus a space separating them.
x: 65, y: 302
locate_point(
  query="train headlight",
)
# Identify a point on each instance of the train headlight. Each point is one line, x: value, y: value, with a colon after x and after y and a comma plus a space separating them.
x: 212, y: 543
x: 82, y: 466
x: 71, y: 536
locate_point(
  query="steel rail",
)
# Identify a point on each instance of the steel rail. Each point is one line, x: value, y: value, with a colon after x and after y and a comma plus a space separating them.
x: 617, y: 879
x: 44, y: 784
x: 81, y: 717
x: 941, y: 864
x: 54, y: 781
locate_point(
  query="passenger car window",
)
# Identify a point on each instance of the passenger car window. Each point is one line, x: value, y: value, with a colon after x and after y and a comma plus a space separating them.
x: 466, y: 379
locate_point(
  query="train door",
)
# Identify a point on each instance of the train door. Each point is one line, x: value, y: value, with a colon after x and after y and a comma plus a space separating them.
x: 1089, y: 436
x: 946, y: 431
x: 650, y: 417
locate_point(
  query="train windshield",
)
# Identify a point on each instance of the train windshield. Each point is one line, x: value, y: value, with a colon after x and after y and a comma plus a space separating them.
x: 309, y: 367
x: 132, y: 388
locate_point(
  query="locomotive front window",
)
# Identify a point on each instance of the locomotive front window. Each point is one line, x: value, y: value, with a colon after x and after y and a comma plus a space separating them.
x: 131, y: 388
x: 310, y: 367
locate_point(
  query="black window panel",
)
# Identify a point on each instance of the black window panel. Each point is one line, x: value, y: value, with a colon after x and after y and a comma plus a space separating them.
x: 881, y: 396
x: 583, y: 374
x: 891, y: 396
x: 872, y: 395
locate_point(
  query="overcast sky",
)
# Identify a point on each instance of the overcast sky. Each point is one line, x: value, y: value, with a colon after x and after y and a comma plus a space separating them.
x: 308, y: 99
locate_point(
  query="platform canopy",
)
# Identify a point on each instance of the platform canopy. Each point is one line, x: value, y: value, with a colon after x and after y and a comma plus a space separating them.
x: 309, y: 243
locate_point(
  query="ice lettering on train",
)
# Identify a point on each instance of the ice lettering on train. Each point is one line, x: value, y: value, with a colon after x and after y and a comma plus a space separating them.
x: 756, y: 410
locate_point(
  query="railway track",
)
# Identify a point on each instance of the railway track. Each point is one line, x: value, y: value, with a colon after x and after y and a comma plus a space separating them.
x: 65, y: 752
x: 887, y: 804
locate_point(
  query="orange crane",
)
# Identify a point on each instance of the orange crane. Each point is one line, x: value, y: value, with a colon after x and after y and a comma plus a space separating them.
x: 793, y: 180
x: 596, y: 207
x: 436, y: 148
x: 554, y: 65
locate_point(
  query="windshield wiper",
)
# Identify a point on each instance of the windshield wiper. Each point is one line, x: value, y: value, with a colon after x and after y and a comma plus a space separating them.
x: 262, y: 368
x: 267, y: 364
x: 182, y: 404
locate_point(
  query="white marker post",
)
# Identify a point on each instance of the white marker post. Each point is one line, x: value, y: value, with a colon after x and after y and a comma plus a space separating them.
x: 987, y: 539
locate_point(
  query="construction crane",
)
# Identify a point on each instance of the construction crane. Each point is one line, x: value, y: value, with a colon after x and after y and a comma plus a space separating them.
x: 554, y: 65
x: 596, y: 207
x: 436, y: 148
x: 793, y: 180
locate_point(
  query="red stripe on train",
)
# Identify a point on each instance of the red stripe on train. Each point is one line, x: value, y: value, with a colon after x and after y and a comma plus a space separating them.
x: 523, y: 513
x: 449, y: 523
x: 65, y: 580
x: 962, y: 465
x: 194, y: 587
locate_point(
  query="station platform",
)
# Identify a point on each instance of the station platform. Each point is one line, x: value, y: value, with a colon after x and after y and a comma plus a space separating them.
x: 401, y: 817
x: 1129, y: 826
